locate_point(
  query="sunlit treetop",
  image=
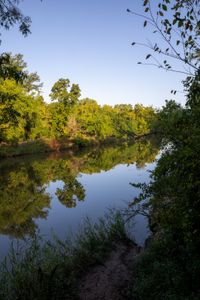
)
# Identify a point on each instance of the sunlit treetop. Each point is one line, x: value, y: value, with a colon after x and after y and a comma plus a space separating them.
x: 14, y: 67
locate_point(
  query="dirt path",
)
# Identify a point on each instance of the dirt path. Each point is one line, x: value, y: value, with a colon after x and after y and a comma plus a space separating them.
x: 111, y: 280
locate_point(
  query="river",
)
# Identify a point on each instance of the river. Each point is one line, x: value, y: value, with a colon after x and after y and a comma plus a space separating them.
x: 52, y: 193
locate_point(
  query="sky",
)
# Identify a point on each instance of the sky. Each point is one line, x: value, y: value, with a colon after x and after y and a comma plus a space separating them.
x: 89, y: 42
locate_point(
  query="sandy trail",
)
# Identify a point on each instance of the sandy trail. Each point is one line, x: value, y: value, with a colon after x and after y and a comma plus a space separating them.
x: 110, y: 281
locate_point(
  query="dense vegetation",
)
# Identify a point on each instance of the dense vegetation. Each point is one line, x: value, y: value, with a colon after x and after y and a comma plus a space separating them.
x: 25, y: 116
x: 170, y: 266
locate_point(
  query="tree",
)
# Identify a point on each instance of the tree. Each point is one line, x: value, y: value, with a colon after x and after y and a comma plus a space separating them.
x: 15, y: 68
x: 10, y: 15
x: 177, y: 24
x: 67, y: 96
x: 23, y: 112
x: 60, y: 92
x: 20, y: 113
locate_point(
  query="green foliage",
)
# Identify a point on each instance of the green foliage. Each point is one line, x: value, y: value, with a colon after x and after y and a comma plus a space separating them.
x: 60, y: 93
x: 137, y: 121
x: 25, y: 116
x: 22, y: 116
x: 167, y: 270
x: 174, y: 205
x: 14, y: 68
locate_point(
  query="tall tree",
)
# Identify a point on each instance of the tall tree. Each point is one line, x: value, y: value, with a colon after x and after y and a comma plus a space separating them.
x: 60, y: 92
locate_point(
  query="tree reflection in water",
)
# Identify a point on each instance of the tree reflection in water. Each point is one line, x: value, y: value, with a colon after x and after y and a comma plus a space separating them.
x: 23, y: 195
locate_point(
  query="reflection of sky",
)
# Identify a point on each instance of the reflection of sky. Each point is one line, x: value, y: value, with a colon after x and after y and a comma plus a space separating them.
x: 104, y: 190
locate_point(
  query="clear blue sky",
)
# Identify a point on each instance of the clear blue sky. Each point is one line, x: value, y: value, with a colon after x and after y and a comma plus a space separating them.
x: 89, y: 42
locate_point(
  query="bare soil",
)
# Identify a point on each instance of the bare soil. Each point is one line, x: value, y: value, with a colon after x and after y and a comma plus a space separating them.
x: 112, y: 280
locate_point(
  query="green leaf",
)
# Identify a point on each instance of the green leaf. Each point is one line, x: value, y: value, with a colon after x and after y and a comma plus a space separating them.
x: 164, y: 7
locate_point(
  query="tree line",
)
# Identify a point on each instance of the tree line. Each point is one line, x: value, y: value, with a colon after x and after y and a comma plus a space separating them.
x: 24, y: 114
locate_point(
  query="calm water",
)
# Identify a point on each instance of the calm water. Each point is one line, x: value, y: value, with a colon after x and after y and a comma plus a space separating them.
x: 54, y: 193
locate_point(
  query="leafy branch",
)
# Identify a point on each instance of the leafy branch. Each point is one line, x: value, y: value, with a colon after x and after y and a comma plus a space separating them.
x: 179, y: 27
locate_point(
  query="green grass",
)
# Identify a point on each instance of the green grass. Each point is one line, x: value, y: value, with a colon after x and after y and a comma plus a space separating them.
x: 52, y: 270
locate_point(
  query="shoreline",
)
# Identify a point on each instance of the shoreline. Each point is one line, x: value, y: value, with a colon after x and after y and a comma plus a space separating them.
x: 99, y: 264
x: 52, y: 145
x: 60, y: 145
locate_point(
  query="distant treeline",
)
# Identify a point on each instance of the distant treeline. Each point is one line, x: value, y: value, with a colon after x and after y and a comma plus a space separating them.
x: 25, y: 116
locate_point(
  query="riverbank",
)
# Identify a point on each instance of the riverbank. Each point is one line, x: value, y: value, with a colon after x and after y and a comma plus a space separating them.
x: 99, y: 261
x: 52, y: 145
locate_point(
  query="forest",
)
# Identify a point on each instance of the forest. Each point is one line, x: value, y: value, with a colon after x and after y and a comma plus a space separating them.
x: 25, y: 116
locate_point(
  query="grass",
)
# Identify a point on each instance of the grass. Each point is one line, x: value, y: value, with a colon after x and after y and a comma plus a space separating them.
x: 52, y: 270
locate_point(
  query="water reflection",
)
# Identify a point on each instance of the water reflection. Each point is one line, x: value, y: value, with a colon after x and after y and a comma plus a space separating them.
x: 24, y: 196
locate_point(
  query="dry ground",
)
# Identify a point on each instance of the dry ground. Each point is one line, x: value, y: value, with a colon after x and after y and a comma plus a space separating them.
x: 111, y: 280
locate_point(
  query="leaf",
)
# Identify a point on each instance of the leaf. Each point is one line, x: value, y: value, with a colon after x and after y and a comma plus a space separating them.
x: 149, y: 55
x: 164, y: 7
x: 169, y: 30
x: 180, y: 23
x: 145, y: 23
